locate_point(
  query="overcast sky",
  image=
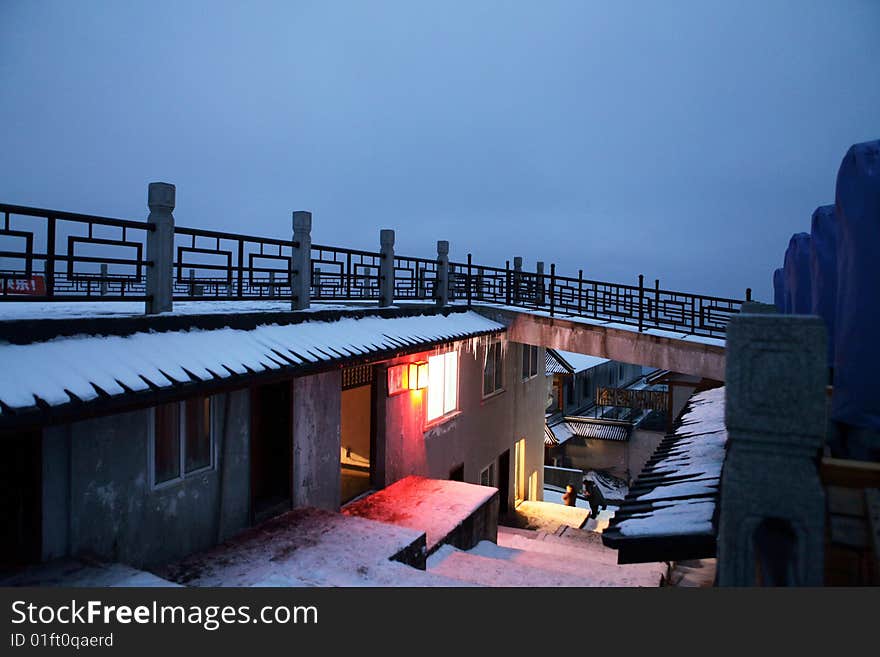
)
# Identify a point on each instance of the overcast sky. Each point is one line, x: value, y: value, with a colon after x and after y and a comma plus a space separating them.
x: 682, y: 140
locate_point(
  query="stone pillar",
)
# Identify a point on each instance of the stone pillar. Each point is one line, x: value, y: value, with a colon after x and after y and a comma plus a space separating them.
x: 441, y: 294
x: 517, y: 279
x: 103, y: 279
x: 160, y: 248
x: 386, y: 267
x: 539, y: 284
x: 772, y: 510
x: 301, y: 262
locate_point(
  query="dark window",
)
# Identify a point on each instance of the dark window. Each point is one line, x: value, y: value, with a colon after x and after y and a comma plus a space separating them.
x: 182, y: 439
x: 197, y: 431
x: 529, y: 361
x: 493, y: 369
x: 166, y: 443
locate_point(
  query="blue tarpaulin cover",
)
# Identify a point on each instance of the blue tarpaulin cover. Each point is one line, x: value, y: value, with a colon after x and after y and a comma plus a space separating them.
x: 823, y: 268
x: 797, y: 275
x: 779, y: 289
x: 856, y: 399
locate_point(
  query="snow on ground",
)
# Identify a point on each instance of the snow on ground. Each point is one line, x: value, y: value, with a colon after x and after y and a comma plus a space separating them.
x: 555, y: 496
x: 549, y: 516
x: 307, y: 547
x: 80, y: 573
x: 612, y: 488
x: 528, y: 558
x: 51, y: 370
x: 433, y: 506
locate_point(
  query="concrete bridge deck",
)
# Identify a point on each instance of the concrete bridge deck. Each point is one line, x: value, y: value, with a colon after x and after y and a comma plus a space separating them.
x: 669, y: 350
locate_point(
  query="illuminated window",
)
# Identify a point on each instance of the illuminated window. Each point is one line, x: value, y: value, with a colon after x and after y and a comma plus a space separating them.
x: 442, y: 385
x: 181, y: 440
x: 493, y: 369
x: 529, y: 361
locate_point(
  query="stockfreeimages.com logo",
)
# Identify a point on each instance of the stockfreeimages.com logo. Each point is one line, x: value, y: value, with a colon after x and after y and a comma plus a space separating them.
x: 209, y: 617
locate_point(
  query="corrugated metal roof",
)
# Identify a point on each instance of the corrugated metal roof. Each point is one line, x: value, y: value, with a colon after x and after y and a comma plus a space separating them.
x: 669, y: 513
x: 592, y: 428
x: 85, y: 368
x: 569, y: 362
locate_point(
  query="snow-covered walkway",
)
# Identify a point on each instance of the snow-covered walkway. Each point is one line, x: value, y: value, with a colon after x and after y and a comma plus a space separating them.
x: 573, y: 557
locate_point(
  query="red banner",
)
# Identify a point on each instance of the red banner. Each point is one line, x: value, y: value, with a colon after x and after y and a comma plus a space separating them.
x: 35, y: 286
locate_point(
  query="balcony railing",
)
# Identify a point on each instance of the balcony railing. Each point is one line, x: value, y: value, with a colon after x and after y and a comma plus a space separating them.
x: 49, y: 255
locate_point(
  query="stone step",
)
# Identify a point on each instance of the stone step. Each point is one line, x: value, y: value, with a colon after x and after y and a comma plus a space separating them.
x: 474, y: 568
x: 580, y: 557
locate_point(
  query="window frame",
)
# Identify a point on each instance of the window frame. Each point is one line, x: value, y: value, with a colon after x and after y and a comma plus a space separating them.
x: 497, y: 358
x: 489, y: 471
x: 446, y: 414
x: 529, y: 359
x: 182, y: 474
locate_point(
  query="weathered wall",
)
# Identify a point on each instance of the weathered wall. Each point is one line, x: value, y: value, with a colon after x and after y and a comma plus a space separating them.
x: 316, y: 440
x: 105, y: 505
x: 624, y: 460
x: 476, y: 435
x: 693, y: 356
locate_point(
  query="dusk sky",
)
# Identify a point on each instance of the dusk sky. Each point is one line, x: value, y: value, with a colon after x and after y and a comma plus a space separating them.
x: 682, y: 140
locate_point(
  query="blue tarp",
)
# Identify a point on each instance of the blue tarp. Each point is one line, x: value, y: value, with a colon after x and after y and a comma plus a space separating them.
x: 779, y: 290
x: 796, y: 272
x: 823, y: 269
x: 856, y: 399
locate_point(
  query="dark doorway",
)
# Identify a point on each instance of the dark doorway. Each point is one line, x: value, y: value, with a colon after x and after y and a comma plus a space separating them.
x: 271, y: 449
x: 21, y: 499
x: 503, y: 482
x: 457, y: 473
x: 357, y: 441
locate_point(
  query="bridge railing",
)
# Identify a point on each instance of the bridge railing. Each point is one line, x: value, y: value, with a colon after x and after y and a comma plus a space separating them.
x: 48, y: 255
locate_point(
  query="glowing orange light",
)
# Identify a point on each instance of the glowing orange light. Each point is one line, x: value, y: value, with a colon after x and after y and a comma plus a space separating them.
x: 417, y: 375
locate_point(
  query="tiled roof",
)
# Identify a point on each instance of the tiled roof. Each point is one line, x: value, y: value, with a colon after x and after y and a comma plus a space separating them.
x: 669, y: 513
x: 586, y: 427
x: 86, y: 368
x: 569, y: 362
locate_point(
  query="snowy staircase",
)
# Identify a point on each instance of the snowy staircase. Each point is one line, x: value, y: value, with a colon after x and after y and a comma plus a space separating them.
x: 570, y: 557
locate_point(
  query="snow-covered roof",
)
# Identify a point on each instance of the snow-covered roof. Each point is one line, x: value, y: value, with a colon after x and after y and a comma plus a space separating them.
x: 86, y: 367
x: 434, y: 506
x: 587, y: 427
x: 569, y: 362
x: 676, y: 494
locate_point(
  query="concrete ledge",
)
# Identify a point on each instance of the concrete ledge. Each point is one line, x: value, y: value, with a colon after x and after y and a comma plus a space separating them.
x: 686, y: 354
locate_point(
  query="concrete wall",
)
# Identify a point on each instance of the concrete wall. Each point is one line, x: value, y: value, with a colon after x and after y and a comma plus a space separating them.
x: 624, y: 460
x: 696, y: 357
x: 98, y: 500
x: 477, y: 434
x: 316, y: 440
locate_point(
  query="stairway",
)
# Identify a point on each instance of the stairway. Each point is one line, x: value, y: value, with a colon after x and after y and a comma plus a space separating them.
x: 567, y: 557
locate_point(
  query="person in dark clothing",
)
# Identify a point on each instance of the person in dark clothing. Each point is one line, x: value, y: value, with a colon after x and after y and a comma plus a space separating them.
x: 594, y: 497
x: 569, y: 498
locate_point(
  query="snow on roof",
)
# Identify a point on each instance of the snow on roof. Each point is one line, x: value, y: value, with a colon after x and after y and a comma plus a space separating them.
x: 586, y: 427
x: 434, y: 506
x: 572, y: 362
x: 57, y: 370
x: 681, y: 485
x: 307, y: 547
